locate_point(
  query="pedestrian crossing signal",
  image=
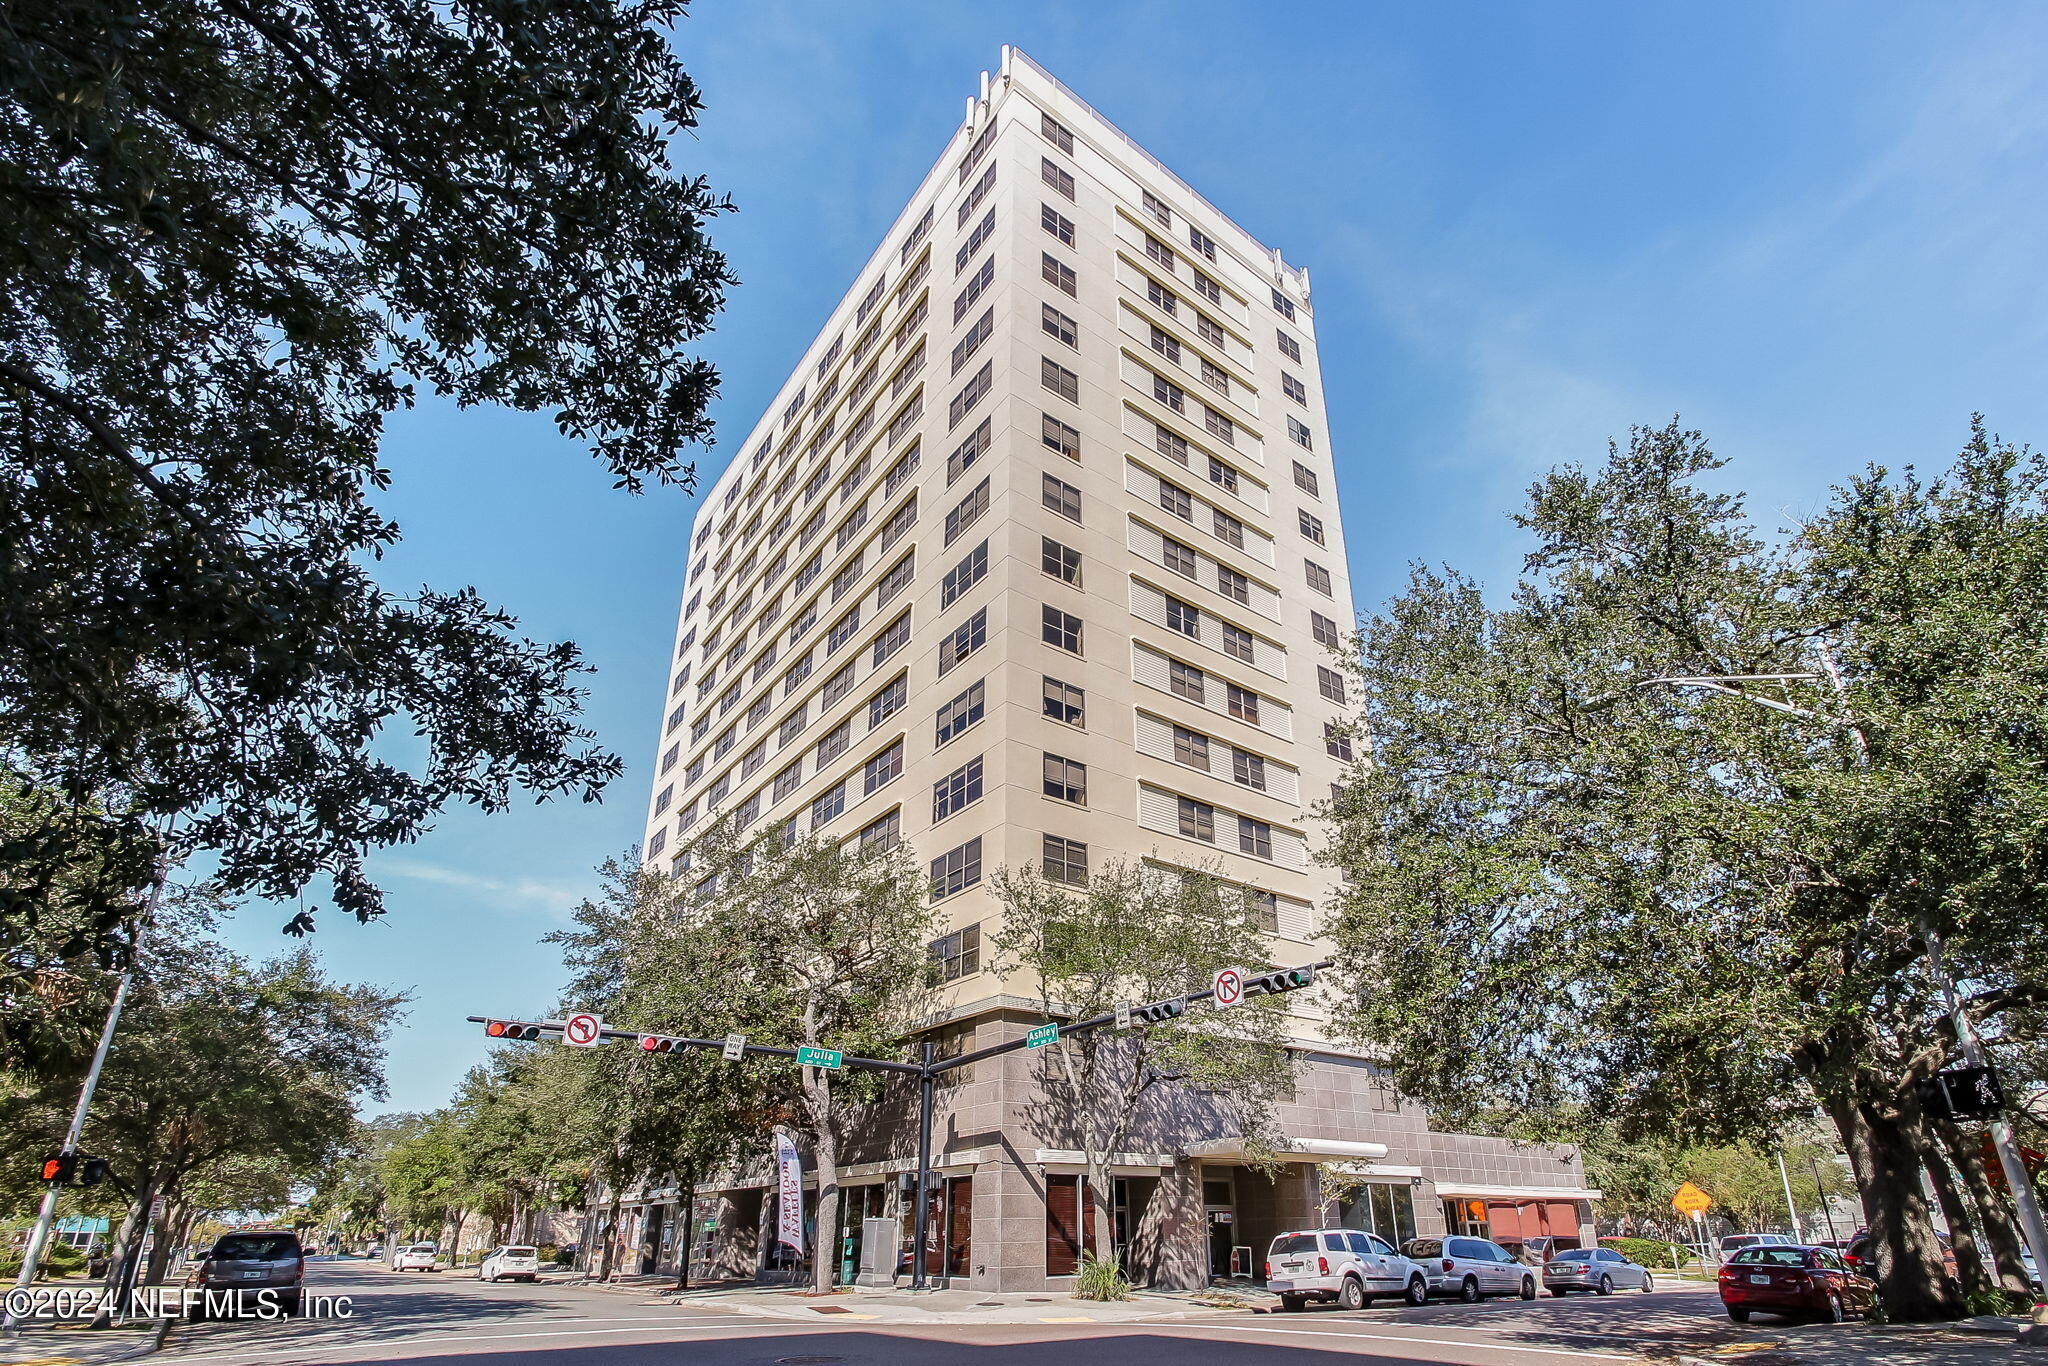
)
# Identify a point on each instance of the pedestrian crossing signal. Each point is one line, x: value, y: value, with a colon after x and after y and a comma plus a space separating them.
x: 59, y: 1168
x: 92, y: 1171
x: 511, y: 1029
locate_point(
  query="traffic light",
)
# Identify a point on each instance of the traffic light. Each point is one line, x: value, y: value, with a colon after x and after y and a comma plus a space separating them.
x: 658, y: 1043
x: 1282, y: 979
x: 1962, y: 1093
x: 1159, y: 1012
x: 511, y: 1029
x: 92, y: 1171
x: 59, y: 1168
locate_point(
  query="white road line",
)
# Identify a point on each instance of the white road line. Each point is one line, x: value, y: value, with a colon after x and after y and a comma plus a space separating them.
x: 399, y: 1340
x: 1399, y: 1337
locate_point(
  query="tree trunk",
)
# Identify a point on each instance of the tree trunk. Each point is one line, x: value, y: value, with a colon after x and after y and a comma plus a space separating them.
x: 825, y: 1156
x: 686, y: 1207
x: 167, y: 1240
x: 1916, y: 1288
x: 127, y: 1243
x: 1973, y: 1268
x: 1101, y: 1212
x: 1994, y: 1219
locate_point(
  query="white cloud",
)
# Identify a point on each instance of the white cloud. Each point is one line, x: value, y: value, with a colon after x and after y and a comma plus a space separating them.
x: 509, y: 894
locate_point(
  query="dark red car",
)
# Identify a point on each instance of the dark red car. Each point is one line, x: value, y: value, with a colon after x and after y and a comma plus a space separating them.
x: 1794, y: 1281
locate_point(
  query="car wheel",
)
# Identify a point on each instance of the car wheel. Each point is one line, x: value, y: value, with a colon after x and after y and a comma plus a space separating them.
x: 1649, y: 1283
x: 291, y: 1302
x: 1351, y: 1294
x: 1418, y: 1291
x: 1469, y: 1290
x: 1739, y: 1315
x: 1831, y: 1312
x: 1606, y: 1285
x: 1558, y: 1292
x: 1291, y: 1304
x: 1528, y: 1287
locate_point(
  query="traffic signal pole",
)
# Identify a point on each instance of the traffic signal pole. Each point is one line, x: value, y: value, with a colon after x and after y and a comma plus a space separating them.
x: 927, y: 1070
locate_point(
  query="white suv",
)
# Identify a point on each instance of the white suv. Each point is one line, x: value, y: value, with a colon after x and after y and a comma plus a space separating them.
x: 1342, y: 1264
x: 418, y: 1257
x: 511, y: 1264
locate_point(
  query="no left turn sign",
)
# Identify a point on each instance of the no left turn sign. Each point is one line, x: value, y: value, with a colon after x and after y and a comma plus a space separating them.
x: 1229, y: 987
x: 583, y: 1030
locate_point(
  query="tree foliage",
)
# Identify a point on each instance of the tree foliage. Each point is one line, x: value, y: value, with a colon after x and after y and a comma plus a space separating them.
x: 1576, y: 886
x: 238, y: 235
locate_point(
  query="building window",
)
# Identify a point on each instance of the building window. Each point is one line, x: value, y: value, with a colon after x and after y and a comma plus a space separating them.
x: 956, y: 790
x: 843, y: 581
x: 1254, y: 837
x: 1190, y: 748
x: 1161, y: 254
x: 966, y: 638
x: 1059, y: 379
x: 1056, y: 223
x: 958, y: 954
x: 1062, y: 629
x: 1162, y: 298
x: 1293, y: 388
x: 975, y: 390
x: 1330, y: 683
x: 836, y: 687
x: 1238, y: 643
x: 1177, y: 500
x: 964, y: 349
x: 789, y: 779
x: 843, y: 629
x: 657, y: 842
x: 976, y: 284
x: 1215, y: 376
x: 956, y: 870
x: 1305, y: 480
x: 971, y: 450
x: 967, y: 512
x: 891, y: 640
x: 1202, y: 242
x: 1066, y: 779
x: 1262, y: 908
x: 1219, y: 426
x: 1180, y: 558
x: 884, y: 832
x: 1064, y: 861
x: 1170, y: 444
x: 1064, y: 702
x: 1311, y: 526
x: 1057, y: 273
x: 1210, y: 331
x: 1298, y: 433
x: 1058, y: 177
x: 796, y: 674
x: 1185, y: 680
x: 896, y: 580
x: 1166, y: 344
x: 1336, y: 744
x: 983, y: 230
x: 834, y: 743
x: 963, y: 575
x: 1233, y: 585
x: 883, y: 769
x: 1060, y: 437
x: 1183, y: 617
x: 1318, y: 577
x: 1325, y: 629
x: 1197, y: 820
x: 828, y: 806
x: 1208, y: 288
x: 1248, y: 769
x: 1056, y: 324
x: 1063, y: 562
x: 1242, y: 703
x: 1284, y: 304
x: 668, y: 760
x: 1061, y: 497
x: 1160, y: 213
x: 1222, y: 475
x: 960, y: 713
x: 1169, y: 394
x: 1289, y: 347
x: 974, y: 197
x: 663, y: 798
x: 1227, y: 528
x: 1056, y: 133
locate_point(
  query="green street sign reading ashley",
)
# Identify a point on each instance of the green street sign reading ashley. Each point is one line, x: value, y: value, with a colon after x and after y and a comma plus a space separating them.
x: 1043, y: 1035
x: 818, y: 1057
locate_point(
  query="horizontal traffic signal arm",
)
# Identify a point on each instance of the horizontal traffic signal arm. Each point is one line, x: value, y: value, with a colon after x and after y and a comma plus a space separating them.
x: 671, y: 1043
x: 1155, y: 1012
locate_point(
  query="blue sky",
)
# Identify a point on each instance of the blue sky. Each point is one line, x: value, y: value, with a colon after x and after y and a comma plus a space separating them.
x: 1815, y: 231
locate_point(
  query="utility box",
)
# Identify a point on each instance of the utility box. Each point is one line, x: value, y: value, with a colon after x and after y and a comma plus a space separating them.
x: 877, y: 1253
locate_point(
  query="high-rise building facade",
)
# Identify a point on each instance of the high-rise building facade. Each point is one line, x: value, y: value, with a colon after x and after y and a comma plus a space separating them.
x: 1037, y: 558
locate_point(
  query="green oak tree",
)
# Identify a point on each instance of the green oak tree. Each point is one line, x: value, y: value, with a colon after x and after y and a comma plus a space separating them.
x: 1702, y: 909
x: 238, y: 235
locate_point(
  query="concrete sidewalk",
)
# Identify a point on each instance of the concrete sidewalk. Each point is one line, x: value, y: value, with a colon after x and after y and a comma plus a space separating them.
x: 864, y: 1305
x: 1967, y: 1342
x: 76, y: 1345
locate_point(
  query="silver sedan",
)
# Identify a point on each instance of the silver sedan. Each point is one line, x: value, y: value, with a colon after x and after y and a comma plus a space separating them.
x: 1601, y: 1270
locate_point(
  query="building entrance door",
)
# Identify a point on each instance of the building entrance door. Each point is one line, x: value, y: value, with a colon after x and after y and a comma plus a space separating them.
x: 1219, y: 1209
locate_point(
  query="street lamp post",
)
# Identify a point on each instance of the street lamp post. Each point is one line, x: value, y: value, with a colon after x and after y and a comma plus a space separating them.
x: 2032, y: 1224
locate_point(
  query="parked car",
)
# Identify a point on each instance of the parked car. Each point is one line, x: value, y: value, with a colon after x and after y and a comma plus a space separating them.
x: 418, y: 1257
x: 251, y: 1261
x: 1539, y: 1250
x: 1793, y: 1279
x: 1470, y: 1268
x: 510, y: 1264
x: 1861, y: 1257
x: 1601, y: 1270
x: 1735, y: 1242
x: 374, y: 1251
x: 1342, y: 1264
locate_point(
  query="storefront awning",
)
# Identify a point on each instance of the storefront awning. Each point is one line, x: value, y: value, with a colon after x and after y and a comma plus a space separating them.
x: 1290, y: 1150
x: 1458, y: 1190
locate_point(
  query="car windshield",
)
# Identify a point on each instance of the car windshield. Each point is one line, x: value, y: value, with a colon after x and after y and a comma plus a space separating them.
x: 421, y: 1247
x: 1576, y: 1254
x: 256, y: 1247
x: 1769, y: 1256
x: 518, y: 1252
x: 1423, y: 1247
x: 1293, y: 1242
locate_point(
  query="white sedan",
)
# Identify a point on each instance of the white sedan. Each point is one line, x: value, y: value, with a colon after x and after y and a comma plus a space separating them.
x: 510, y: 1264
x: 418, y: 1257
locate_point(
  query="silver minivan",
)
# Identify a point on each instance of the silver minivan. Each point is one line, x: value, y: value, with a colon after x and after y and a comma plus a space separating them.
x: 1470, y: 1268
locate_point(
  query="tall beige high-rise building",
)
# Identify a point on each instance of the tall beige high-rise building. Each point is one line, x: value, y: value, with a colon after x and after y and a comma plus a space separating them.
x: 1036, y: 558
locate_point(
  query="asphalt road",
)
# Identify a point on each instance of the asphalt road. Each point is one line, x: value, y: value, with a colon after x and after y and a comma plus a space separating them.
x: 404, y: 1318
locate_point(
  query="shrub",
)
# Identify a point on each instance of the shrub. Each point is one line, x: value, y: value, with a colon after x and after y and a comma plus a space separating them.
x: 1654, y: 1253
x: 1101, y: 1278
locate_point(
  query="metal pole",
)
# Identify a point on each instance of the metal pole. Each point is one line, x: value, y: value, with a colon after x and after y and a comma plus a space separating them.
x: 925, y: 1083
x: 1790, y: 1208
x: 1820, y: 1193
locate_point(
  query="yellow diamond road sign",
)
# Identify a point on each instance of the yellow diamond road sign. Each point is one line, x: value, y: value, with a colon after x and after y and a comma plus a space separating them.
x: 1691, y: 1200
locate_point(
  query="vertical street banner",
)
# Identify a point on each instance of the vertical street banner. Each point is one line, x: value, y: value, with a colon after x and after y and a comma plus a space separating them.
x: 789, y: 1186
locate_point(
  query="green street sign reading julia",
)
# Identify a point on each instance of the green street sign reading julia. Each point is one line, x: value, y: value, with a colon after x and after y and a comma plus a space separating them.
x: 818, y: 1057
x: 1043, y: 1035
